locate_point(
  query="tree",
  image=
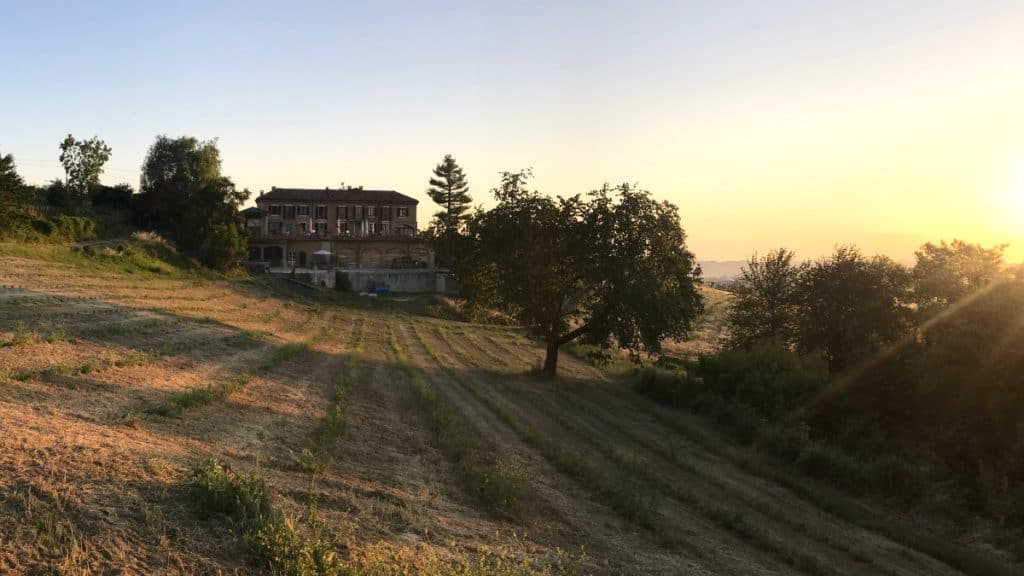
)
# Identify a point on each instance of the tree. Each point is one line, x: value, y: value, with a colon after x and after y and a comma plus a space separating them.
x: 850, y: 306
x: 13, y: 191
x: 945, y: 273
x: 83, y: 162
x: 450, y: 189
x: 609, y: 268
x: 763, y: 307
x: 117, y: 196
x: 184, y: 195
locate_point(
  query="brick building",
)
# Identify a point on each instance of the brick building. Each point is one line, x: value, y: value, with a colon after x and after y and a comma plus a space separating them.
x: 358, y: 228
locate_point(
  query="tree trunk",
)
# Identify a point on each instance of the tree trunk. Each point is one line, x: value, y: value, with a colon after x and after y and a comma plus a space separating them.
x: 551, y: 359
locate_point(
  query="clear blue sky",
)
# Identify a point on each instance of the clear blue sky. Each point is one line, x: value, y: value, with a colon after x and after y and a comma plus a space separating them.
x: 769, y: 123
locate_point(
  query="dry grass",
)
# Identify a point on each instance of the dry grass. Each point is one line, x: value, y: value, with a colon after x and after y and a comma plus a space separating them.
x: 321, y: 406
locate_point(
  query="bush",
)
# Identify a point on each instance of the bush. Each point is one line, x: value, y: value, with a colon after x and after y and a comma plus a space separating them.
x: 26, y: 225
x: 900, y: 478
x: 833, y: 466
x: 74, y: 228
x: 667, y: 387
x: 767, y: 377
x: 342, y: 283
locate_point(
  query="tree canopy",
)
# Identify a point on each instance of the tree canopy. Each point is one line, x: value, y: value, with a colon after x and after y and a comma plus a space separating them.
x: 12, y: 187
x: 183, y: 194
x: 83, y: 162
x: 851, y: 306
x: 945, y: 273
x: 764, y: 306
x: 450, y: 189
x: 611, y: 267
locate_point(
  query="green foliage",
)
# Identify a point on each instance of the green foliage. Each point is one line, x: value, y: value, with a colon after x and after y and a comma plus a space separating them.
x: 119, y: 196
x: 183, y: 194
x: 74, y: 228
x: 851, y: 306
x: 83, y: 162
x: 764, y: 304
x: 772, y: 379
x: 13, y: 191
x: 945, y: 273
x: 573, y: 267
x: 245, y: 501
x: 449, y: 188
x: 58, y: 194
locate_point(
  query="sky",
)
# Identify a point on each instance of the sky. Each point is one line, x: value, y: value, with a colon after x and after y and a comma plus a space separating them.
x: 769, y: 124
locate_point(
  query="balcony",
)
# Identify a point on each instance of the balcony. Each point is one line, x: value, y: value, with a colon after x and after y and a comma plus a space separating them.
x: 258, y: 234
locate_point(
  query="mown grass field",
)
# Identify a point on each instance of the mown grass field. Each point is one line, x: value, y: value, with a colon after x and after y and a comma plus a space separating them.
x: 164, y: 423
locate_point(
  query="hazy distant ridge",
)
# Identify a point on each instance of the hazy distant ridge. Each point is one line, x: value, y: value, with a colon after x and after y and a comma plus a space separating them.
x: 715, y: 269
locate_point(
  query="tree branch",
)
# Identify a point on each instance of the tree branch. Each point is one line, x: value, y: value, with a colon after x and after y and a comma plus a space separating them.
x: 569, y: 337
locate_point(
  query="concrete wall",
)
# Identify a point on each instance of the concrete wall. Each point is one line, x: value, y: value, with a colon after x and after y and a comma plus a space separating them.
x: 402, y: 281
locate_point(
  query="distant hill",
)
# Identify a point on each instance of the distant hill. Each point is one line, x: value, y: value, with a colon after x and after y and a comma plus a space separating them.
x: 721, y: 269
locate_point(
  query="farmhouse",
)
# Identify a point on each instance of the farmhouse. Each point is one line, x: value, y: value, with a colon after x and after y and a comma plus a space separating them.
x: 346, y: 227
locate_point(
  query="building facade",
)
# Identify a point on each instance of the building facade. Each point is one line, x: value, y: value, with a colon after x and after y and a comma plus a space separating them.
x: 348, y: 227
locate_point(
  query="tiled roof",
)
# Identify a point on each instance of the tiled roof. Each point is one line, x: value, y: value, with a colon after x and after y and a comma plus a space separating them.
x: 335, y: 195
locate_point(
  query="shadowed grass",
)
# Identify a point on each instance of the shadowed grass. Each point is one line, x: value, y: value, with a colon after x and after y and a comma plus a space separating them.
x: 629, y: 500
x: 499, y: 484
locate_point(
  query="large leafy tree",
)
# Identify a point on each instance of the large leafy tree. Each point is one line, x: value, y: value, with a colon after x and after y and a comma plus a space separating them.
x: 611, y: 268
x: 763, y: 307
x: 945, y: 273
x: 851, y: 306
x: 183, y: 194
x: 83, y: 162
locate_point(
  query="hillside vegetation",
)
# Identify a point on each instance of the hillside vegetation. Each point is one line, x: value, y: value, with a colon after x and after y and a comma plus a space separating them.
x: 159, y: 421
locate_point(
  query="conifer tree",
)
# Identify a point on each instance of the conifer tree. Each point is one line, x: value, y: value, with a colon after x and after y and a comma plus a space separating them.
x: 449, y: 188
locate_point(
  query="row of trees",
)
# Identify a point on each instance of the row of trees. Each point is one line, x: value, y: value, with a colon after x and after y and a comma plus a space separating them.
x: 570, y: 268
x: 924, y: 361
x: 182, y: 194
x: 849, y: 306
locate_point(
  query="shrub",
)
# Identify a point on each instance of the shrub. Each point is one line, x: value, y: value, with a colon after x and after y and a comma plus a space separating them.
x: 899, y: 477
x: 767, y: 377
x: 73, y: 228
x: 342, y: 283
x: 667, y: 387
x: 834, y: 466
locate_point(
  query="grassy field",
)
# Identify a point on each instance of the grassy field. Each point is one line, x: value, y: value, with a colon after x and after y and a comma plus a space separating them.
x: 155, y: 422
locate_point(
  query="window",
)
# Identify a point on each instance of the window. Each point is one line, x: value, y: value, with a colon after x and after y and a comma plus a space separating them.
x: 303, y: 210
x: 385, y: 213
x: 385, y: 228
x: 403, y: 211
x: 275, y: 209
x: 357, y: 212
x: 339, y: 212
x: 302, y: 227
x: 275, y: 227
x: 321, y: 228
x: 289, y: 212
x: 371, y: 211
x: 321, y: 212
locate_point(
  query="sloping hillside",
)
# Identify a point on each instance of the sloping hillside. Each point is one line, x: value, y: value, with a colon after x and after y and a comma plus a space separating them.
x: 393, y: 440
